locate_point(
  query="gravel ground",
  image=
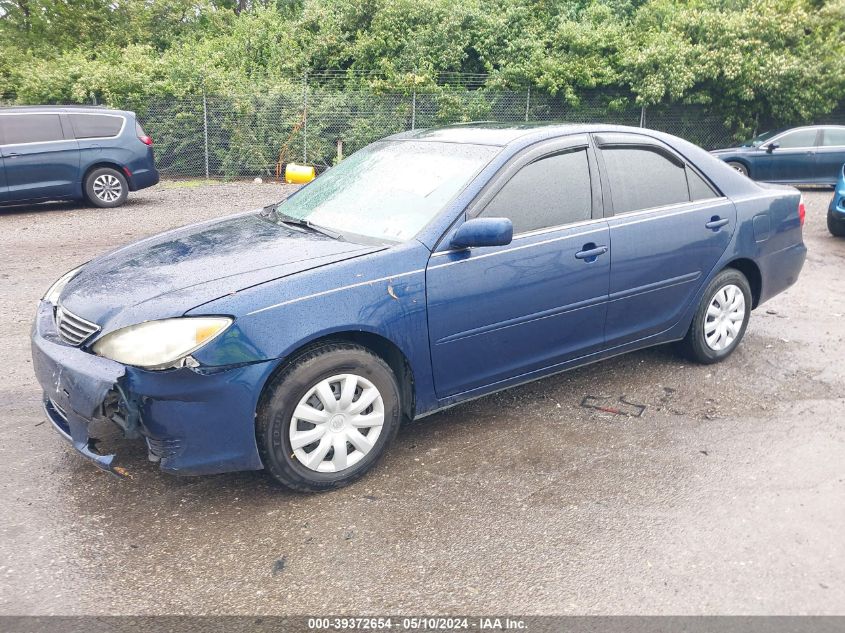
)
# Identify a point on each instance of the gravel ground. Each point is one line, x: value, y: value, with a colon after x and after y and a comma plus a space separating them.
x: 726, y: 496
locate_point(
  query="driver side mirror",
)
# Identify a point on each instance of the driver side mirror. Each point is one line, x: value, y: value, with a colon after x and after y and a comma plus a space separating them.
x: 770, y: 147
x: 483, y: 232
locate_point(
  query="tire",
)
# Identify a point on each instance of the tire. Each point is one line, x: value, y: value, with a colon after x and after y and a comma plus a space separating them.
x: 106, y: 188
x: 835, y: 225
x: 304, y: 386
x: 738, y: 167
x: 706, y: 341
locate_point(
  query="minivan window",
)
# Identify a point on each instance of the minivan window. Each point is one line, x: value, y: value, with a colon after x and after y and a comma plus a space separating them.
x: 799, y: 138
x: 95, y: 125
x: 643, y: 178
x: 551, y: 191
x: 31, y: 128
x: 834, y: 137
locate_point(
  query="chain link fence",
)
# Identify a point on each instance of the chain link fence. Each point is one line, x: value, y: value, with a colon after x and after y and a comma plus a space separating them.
x: 230, y: 137
x: 246, y: 136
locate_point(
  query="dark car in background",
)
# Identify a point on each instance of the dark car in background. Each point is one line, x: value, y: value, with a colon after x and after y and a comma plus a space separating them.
x: 836, y: 210
x: 803, y: 155
x: 73, y: 153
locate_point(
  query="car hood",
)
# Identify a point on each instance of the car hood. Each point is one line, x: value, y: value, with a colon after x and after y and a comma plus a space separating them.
x: 168, y: 274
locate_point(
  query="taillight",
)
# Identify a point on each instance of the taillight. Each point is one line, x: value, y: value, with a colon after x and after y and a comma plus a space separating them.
x: 802, y: 211
x: 146, y: 140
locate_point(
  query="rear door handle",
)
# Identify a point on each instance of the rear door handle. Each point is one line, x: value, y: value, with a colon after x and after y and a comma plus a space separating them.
x: 716, y: 223
x: 590, y: 252
x: 11, y: 155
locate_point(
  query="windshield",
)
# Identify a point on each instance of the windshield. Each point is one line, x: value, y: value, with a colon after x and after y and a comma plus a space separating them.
x: 389, y: 190
x: 760, y: 139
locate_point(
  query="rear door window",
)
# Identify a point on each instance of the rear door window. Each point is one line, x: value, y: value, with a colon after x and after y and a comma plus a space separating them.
x: 699, y: 189
x: 96, y: 125
x: 799, y: 138
x: 644, y: 178
x: 833, y: 137
x: 31, y: 128
x: 551, y: 191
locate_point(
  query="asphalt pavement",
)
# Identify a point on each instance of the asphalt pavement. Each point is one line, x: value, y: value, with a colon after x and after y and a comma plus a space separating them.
x: 726, y: 495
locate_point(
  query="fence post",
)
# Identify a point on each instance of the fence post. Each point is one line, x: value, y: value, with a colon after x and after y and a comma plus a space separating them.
x: 414, y: 106
x: 527, y: 103
x: 305, y: 118
x: 642, y: 116
x: 205, y: 130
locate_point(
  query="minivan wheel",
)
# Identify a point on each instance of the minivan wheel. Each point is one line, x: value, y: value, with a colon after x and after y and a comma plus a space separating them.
x: 721, y: 318
x: 106, y: 188
x: 327, y: 417
x: 739, y: 167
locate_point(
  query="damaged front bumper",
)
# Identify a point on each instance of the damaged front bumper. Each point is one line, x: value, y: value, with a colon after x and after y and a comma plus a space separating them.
x: 194, y: 420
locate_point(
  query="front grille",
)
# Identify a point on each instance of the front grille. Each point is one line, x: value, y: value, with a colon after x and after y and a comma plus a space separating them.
x: 74, y: 329
x: 59, y: 411
x: 58, y: 417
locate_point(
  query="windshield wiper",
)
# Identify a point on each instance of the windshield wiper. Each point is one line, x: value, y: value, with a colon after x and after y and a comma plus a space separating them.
x: 284, y: 218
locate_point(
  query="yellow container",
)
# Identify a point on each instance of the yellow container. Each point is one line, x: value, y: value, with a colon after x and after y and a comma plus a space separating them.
x: 298, y: 174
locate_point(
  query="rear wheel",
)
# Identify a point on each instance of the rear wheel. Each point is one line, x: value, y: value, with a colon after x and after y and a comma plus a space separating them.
x: 739, y: 167
x: 721, y: 318
x: 835, y: 225
x: 327, y: 417
x: 106, y: 187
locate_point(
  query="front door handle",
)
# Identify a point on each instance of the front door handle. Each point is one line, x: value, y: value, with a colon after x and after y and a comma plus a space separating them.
x: 590, y: 251
x: 12, y: 155
x: 716, y: 223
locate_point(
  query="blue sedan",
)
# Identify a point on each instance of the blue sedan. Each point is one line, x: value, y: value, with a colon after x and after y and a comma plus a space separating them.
x: 803, y: 155
x: 427, y: 269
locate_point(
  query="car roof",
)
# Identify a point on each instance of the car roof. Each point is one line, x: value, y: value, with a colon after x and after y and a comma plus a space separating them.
x: 504, y: 134
x: 62, y: 108
x: 484, y: 132
x: 783, y: 130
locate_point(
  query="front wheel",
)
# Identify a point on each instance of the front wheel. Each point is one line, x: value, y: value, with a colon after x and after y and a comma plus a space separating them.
x: 327, y: 417
x: 106, y: 188
x: 720, y: 320
x: 738, y: 167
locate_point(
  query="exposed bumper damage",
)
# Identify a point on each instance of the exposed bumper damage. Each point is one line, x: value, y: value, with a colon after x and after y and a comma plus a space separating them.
x: 75, y: 386
x: 194, y: 421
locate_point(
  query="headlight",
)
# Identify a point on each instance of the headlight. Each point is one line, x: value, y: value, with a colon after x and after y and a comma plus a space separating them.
x: 160, y: 344
x: 54, y: 291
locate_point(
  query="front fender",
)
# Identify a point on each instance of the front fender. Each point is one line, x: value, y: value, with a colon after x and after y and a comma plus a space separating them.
x: 382, y: 294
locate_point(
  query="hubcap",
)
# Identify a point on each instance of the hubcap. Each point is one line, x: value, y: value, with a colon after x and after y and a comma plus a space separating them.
x: 107, y: 188
x: 336, y: 423
x: 725, y: 315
